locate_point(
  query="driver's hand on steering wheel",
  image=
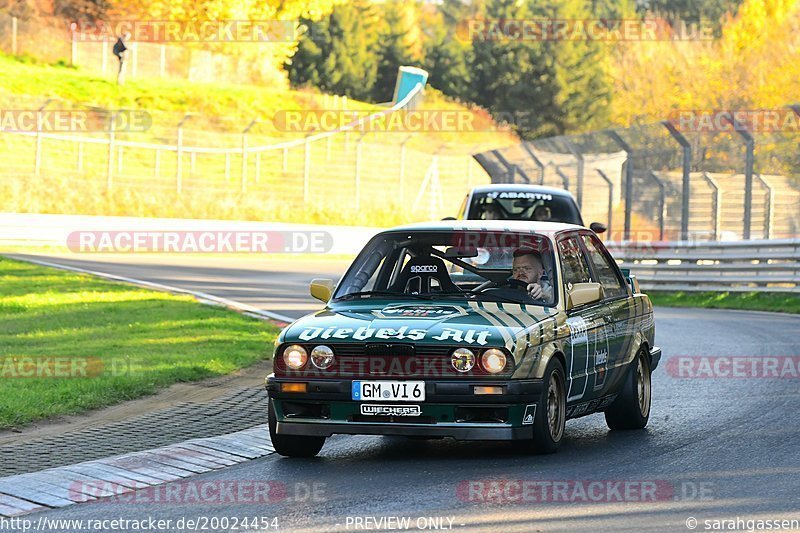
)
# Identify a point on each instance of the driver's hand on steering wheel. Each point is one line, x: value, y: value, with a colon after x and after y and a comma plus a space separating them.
x: 535, y: 291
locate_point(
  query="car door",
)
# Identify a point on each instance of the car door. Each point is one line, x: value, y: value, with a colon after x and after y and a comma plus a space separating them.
x: 588, y: 345
x: 619, y: 304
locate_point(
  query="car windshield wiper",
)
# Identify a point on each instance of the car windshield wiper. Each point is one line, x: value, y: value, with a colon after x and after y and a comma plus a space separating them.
x: 498, y: 297
x: 504, y: 299
x: 368, y: 294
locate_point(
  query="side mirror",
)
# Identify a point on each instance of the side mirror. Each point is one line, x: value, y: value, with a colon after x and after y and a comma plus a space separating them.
x: 322, y: 289
x: 598, y: 227
x: 584, y: 293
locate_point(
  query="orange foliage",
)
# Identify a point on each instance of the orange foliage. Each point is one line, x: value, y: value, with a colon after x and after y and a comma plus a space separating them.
x: 752, y: 65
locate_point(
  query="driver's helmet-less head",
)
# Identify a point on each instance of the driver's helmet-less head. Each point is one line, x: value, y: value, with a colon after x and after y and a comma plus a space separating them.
x: 542, y: 213
x: 531, y: 268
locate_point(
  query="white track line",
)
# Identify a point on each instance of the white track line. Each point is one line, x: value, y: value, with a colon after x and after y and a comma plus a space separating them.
x: 158, y: 286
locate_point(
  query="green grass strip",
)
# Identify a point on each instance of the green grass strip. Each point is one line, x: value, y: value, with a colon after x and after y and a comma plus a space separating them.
x: 750, y: 301
x: 72, y: 342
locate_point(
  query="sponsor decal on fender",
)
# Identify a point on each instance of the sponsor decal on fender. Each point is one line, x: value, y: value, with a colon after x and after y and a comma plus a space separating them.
x: 590, y: 407
x: 600, y: 367
x: 529, y: 415
x: 419, y: 311
x: 578, y: 329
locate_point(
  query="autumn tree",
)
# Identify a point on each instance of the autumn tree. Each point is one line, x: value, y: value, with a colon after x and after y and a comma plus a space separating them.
x: 400, y: 41
x: 337, y: 53
x: 448, y: 55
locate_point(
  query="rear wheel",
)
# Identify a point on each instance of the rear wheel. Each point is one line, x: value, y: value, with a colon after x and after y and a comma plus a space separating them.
x: 631, y: 409
x: 291, y: 445
x: 551, y: 413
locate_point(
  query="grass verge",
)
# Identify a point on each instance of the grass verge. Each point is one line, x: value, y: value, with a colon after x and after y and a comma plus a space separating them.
x: 749, y: 301
x: 71, y: 342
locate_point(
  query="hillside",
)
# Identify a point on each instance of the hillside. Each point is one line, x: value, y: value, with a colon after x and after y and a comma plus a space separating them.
x: 219, y: 113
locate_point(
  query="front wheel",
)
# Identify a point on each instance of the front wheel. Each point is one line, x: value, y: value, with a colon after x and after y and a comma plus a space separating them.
x: 551, y: 413
x: 631, y: 409
x: 291, y: 445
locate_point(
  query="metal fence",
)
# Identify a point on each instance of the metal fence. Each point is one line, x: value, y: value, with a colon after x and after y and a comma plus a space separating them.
x: 51, y: 40
x: 345, y: 169
x: 653, y: 182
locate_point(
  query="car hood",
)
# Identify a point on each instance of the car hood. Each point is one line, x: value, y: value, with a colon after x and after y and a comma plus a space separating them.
x: 480, y: 324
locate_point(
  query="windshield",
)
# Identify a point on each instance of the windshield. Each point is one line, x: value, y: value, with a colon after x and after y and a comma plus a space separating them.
x: 523, y: 205
x: 475, y: 265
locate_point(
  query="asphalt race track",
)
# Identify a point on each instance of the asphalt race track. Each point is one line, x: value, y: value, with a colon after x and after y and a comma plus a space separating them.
x: 716, y: 448
x: 279, y: 284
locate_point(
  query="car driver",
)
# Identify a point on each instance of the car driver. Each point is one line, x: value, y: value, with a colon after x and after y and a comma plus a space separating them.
x: 527, y: 267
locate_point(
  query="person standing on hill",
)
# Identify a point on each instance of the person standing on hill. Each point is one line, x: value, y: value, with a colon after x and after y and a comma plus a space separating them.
x: 121, y: 51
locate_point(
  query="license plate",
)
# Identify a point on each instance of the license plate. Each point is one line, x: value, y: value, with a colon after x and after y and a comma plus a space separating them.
x: 390, y: 410
x: 389, y: 391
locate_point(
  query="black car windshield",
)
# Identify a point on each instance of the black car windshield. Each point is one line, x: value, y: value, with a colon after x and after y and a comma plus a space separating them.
x: 475, y: 265
x: 523, y: 205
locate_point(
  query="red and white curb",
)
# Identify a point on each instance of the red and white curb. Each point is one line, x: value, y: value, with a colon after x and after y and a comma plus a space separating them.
x: 84, y: 482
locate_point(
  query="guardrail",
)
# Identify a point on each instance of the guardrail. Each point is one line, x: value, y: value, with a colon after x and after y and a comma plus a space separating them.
x: 740, y: 266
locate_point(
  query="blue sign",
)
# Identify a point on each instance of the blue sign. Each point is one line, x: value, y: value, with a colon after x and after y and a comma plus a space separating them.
x: 407, y: 79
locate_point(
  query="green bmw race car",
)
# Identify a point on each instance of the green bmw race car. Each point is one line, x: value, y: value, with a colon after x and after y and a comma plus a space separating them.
x: 475, y: 330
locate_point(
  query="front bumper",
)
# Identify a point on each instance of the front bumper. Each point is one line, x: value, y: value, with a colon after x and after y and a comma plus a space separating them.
x: 451, y: 409
x: 462, y: 432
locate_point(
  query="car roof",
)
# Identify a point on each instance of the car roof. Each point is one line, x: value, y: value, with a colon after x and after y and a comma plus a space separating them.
x: 522, y: 187
x: 522, y: 226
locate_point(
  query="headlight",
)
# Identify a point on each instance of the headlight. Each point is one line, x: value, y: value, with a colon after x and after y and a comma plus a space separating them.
x: 295, y: 356
x: 322, y: 357
x: 463, y: 359
x: 493, y: 360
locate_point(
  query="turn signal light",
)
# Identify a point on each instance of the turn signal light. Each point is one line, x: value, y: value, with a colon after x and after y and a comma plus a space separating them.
x: 488, y: 390
x: 293, y: 387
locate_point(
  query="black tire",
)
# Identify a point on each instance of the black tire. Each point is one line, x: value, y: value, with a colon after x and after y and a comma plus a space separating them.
x: 551, y: 413
x: 631, y: 409
x: 292, y: 445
